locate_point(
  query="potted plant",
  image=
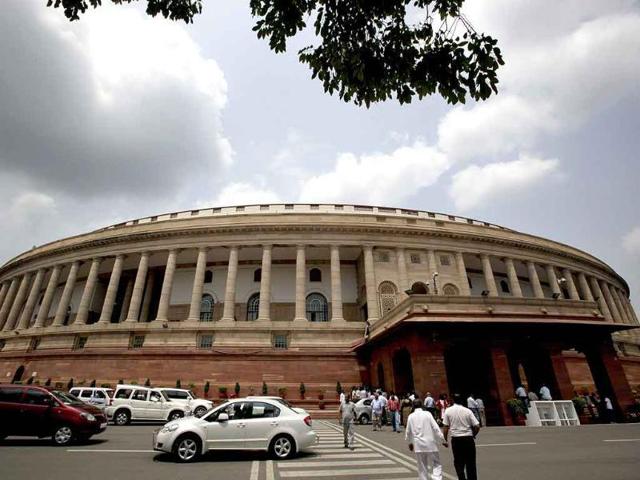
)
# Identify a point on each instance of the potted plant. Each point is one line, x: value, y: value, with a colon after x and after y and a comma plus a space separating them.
x: 338, y: 388
x: 321, y: 401
x: 147, y: 382
x: 517, y: 410
x: 265, y: 389
x: 282, y: 392
x: 303, y: 390
x: 206, y: 389
x: 70, y: 384
x: 93, y: 383
x: 580, y: 404
x: 237, y: 389
x: 120, y: 382
x: 222, y: 391
x: 178, y: 384
x: 47, y: 383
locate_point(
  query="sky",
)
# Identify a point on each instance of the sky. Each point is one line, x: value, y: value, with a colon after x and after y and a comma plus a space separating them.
x: 120, y: 116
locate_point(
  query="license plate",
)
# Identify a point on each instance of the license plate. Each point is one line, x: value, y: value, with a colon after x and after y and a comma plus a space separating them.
x: 103, y: 425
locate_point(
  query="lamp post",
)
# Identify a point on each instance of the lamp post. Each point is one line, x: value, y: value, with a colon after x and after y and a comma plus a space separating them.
x: 435, y: 285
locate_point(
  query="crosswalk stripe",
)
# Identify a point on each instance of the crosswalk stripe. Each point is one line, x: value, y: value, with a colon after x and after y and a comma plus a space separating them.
x: 345, y: 455
x: 336, y: 450
x: 344, y: 472
x: 255, y: 470
x: 344, y: 463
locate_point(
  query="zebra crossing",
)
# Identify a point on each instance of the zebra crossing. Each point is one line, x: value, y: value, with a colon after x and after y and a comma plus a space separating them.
x: 329, y: 459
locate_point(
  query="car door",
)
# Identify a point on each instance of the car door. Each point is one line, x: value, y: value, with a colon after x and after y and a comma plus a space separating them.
x: 139, y: 404
x: 157, y: 409
x: 11, y: 410
x: 37, y: 414
x: 260, y: 425
x: 229, y: 434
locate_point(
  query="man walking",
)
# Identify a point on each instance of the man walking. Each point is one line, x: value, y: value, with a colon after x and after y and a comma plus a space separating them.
x: 482, y: 412
x: 377, y: 404
x: 430, y: 404
x: 545, y: 393
x: 473, y: 406
x: 347, y: 415
x: 463, y: 426
x: 423, y: 436
x: 393, y: 404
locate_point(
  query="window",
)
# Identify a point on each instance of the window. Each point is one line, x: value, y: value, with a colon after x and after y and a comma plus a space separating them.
x: 317, y: 308
x: 208, y: 276
x: 383, y: 257
x: 85, y: 394
x: 123, y: 393
x: 315, y: 207
x: 37, y: 397
x: 504, y: 286
x: 239, y: 209
x: 419, y: 288
x: 264, y: 410
x: 79, y: 342
x: 450, y: 289
x: 2, y: 344
x: 140, y: 395
x: 177, y: 394
x: 257, y: 275
x: 75, y: 392
x: 288, y: 207
x: 205, y: 341
x: 445, y: 260
x: 264, y: 207
x: 194, y: 212
x: 155, y: 396
x: 339, y: 207
x: 387, y: 292
x: 99, y: 394
x: 253, y: 306
x: 137, y: 341
x: 315, y: 275
x: 206, y: 308
x: 415, y: 258
x: 11, y: 395
x: 173, y: 215
x: 34, y: 344
x: 280, y: 341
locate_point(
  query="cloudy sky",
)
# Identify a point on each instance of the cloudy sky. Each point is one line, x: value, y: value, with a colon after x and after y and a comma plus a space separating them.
x: 120, y: 116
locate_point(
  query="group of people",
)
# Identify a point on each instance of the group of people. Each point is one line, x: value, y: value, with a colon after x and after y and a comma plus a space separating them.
x: 431, y: 423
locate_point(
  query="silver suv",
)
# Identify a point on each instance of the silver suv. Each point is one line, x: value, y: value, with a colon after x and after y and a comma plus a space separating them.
x: 97, y: 396
x: 199, y: 406
x: 135, y: 403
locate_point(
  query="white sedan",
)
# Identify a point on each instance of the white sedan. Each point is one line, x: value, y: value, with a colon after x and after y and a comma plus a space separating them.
x: 240, y: 424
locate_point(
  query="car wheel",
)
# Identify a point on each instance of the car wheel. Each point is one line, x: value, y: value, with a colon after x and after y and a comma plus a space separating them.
x: 187, y: 448
x: 283, y: 447
x: 200, y: 411
x: 121, y: 417
x: 62, y: 435
x: 364, y: 419
x: 175, y: 415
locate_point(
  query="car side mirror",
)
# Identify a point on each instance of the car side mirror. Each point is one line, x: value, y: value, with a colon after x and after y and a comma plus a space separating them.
x: 223, y: 417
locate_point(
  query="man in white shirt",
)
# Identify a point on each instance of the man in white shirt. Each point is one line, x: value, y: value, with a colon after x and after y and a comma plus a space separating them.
x: 473, y: 406
x: 545, y: 393
x: 342, y: 397
x: 430, y: 404
x: 347, y: 415
x: 424, y: 435
x: 463, y: 426
x: 482, y: 412
x: 377, y: 404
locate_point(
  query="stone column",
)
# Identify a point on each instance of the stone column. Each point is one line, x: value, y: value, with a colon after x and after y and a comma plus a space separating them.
x: 628, y: 308
x: 138, y: 288
x: 3, y: 292
x: 17, y: 302
x: 403, y: 278
x: 489, y: 279
x: 229, y: 309
x: 370, y: 285
x: 167, y: 286
x: 632, y: 312
x: 148, y: 294
x: 433, y: 268
x: 301, y: 284
x: 63, y: 304
x: 198, y: 283
x: 504, y: 387
x: 584, y: 286
x: 87, y: 294
x: 615, y: 293
x: 553, y: 280
x: 514, y: 283
x: 126, y: 300
x: 595, y: 287
x: 112, y: 291
x: 571, y: 286
x: 609, y: 299
x: 43, y: 311
x: 535, y: 280
x: 336, y: 286
x: 562, y: 380
x: 31, y: 301
x: 8, y: 301
x: 462, y: 274
x: 264, y: 307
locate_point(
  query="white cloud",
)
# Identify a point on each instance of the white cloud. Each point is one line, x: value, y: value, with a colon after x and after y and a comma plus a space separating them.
x: 242, y: 193
x: 378, y: 178
x: 631, y: 242
x: 476, y: 185
x: 28, y: 203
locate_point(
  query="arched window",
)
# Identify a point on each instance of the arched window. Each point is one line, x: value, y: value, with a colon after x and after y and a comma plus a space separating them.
x: 450, y: 289
x: 419, y: 288
x: 208, y: 276
x: 317, y: 308
x: 206, y: 308
x: 504, y: 286
x: 253, y: 306
x: 257, y: 275
x: 315, y: 275
x: 387, y: 291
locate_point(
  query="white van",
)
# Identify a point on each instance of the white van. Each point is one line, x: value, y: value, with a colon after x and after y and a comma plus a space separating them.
x: 136, y: 403
x: 97, y: 396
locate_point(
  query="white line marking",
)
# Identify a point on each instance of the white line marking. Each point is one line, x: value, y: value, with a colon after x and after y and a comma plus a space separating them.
x: 335, y: 473
x: 336, y: 450
x: 270, y: 474
x: 343, y: 455
x: 623, y: 440
x: 255, y: 470
x: 506, y: 444
x: 343, y: 463
x: 91, y: 450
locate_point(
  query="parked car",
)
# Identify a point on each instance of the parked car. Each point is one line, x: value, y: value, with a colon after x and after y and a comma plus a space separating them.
x: 97, y: 396
x: 363, y: 411
x: 199, y: 406
x: 239, y: 424
x: 33, y: 411
x: 135, y: 403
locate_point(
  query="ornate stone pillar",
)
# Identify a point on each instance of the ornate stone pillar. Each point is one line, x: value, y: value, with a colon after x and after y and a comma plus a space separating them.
x: 462, y: 274
x: 31, y: 300
x: 301, y: 284
x: 571, y: 286
x: 198, y: 283
x: 264, y: 307
x: 229, y: 311
x: 126, y: 300
x: 628, y: 308
x: 403, y: 278
x: 43, y: 311
x: 619, y: 305
x: 148, y: 295
x: 167, y: 286
x: 370, y: 285
x: 514, y: 283
x: 87, y: 294
x: 63, y: 304
x: 553, y: 280
x: 17, y: 302
x: 433, y: 269
x: 534, y: 280
x: 595, y: 287
x: 584, y: 286
x: 336, y: 286
x: 3, y: 292
x: 138, y: 288
x: 504, y: 387
x: 112, y: 291
x: 610, y: 303
x: 8, y: 301
x: 489, y: 279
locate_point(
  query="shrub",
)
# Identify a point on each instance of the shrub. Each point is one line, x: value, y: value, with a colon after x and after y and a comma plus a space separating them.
x: 282, y: 392
x: 47, y: 383
x: 579, y: 403
x: 206, y: 389
x: 147, y: 383
x: 338, y: 388
x: 105, y: 385
x: 93, y: 383
x: 120, y: 382
x: 70, y: 384
x: 302, y: 389
x: 265, y: 389
x: 178, y: 384
x: 223, y: 392
x: 516, y: 407
x: 237, y: 389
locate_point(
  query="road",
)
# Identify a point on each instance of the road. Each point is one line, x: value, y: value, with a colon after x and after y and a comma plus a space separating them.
x: 592, y: 452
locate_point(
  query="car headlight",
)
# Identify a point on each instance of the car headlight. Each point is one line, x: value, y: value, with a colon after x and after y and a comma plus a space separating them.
x: 170, y: 428
x: 88, y: 417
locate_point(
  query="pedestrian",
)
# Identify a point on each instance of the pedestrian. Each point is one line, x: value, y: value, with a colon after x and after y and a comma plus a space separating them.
x: 473, y: 406
x: 385, y: 412
x: 376, y: 411
x: 442, y: 405
x: 463, y: 426
x: 430, y: 404
x: 482, y: 412
x: 521, y: 394
x: 405, y: 410
x: 545, y: 393
x: 532, y: 397
x: 608, y: 410
x: 347, y: 415
x: 342, y: 397
x: 393, y: 405
x: 423, y: 436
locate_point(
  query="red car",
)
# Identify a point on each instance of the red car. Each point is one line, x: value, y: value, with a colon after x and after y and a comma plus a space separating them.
x: 33, y: 411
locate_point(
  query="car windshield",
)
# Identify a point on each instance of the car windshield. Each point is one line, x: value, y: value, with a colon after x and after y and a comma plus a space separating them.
x: 284, y: 402
x: 193, y: 395
x: 67, y: 398
x: 164, y: 394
